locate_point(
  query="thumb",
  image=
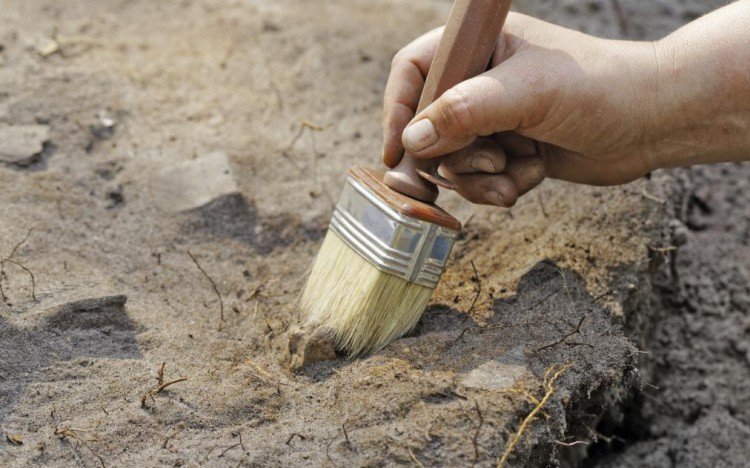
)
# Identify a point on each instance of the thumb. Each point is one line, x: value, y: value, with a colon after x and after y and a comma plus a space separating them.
x: 489, y: 103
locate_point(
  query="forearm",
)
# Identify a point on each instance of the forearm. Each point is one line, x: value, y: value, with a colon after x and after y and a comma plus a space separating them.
x: 703, y: 92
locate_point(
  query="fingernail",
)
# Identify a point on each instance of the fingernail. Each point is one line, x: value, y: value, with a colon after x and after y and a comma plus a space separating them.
x: 494, y: 197
x: 482, y: 163
x: 420, y: 135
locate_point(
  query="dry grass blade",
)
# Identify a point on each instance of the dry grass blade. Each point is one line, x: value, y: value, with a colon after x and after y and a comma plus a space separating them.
x: 652, y: 197
x: 415, y: 459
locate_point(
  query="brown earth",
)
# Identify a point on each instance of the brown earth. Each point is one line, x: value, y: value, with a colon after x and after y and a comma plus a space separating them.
x: 221, y: 130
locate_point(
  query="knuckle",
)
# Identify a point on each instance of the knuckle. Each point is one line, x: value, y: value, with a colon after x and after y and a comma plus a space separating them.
x: 398, y: 57
x: 475, y: 198
x: 458, y: 159
x: 536, y: 170
x: 510, y: 197
x: 455, y: 113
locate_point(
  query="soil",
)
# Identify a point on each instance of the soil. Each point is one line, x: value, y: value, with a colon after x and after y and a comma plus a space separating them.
x: 192, y: 154
x: 694, y: 405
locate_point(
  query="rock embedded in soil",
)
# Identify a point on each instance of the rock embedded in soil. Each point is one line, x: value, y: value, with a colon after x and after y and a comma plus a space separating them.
x: 46, y: 46
x: 22, y: 144
x: 104, y: 127
x: 498, y: 374
x: 494, y: 375
x: 308, y: 345
x: 191, y: 184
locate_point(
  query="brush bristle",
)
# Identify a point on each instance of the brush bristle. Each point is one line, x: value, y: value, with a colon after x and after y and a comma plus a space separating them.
x: 366, y: 308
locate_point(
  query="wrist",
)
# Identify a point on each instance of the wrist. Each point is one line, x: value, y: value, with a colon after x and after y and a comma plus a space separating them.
x: 701, y: 96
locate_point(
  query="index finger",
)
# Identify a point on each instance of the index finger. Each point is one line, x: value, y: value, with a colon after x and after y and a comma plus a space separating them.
x: 405, y: 82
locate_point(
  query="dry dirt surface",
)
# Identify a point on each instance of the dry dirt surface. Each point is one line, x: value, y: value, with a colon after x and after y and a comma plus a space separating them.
x: 167, y: 172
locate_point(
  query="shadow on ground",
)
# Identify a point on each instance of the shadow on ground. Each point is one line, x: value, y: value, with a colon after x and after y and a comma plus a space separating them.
x: 78, y: 331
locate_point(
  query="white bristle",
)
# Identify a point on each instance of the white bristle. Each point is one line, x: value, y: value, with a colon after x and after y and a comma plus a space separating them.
x: 365, y: 307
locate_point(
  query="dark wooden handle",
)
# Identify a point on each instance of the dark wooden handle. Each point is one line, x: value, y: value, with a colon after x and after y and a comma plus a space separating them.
x: 465, y: 50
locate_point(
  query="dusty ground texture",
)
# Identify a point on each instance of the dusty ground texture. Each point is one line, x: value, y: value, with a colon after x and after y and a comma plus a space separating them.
x: 158, y: 156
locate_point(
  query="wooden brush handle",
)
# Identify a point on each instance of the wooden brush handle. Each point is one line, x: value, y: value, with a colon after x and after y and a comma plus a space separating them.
x: 465, y: 50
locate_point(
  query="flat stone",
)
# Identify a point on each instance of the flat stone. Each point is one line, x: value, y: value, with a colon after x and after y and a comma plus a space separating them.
x: 498, y: 374
x: 493, y: 375
x: 21, y: 144
x: 191, y: 184
x: 46, y: 46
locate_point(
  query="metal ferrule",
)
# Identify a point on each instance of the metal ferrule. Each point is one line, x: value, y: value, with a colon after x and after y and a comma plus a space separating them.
x: 409, y: 248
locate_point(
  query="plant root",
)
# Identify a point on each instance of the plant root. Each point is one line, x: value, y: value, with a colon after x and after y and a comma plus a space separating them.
x: 550, y: 377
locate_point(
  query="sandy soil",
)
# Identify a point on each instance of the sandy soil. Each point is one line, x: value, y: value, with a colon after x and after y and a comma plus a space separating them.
x: 221, y: 130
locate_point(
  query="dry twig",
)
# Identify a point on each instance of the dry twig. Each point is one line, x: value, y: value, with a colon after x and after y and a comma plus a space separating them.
x: 213, y: 286
x: 286, y: 153
x: 346, y: 434
x: 160, y: 374
x: 289, y: 440
x: 565, y: 337
x: 458, y: 338
x: 72, y: 434
x: 475, y: 439
x: 242, y: 444
x: 228, y: 449
x: 543, y: 300
x: 304, y: 124
x: 479, y: 289
x: 163, y: 386
x: 9, y: 259
x: 160, y: 385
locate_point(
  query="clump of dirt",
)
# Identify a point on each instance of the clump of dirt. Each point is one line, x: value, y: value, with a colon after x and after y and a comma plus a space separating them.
x: 530, y: 348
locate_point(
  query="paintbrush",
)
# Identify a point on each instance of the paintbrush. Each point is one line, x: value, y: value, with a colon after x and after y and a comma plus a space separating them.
x: 387, y: 243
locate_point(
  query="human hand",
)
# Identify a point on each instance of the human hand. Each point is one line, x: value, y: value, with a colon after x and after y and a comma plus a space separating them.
x: 556, y: 103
